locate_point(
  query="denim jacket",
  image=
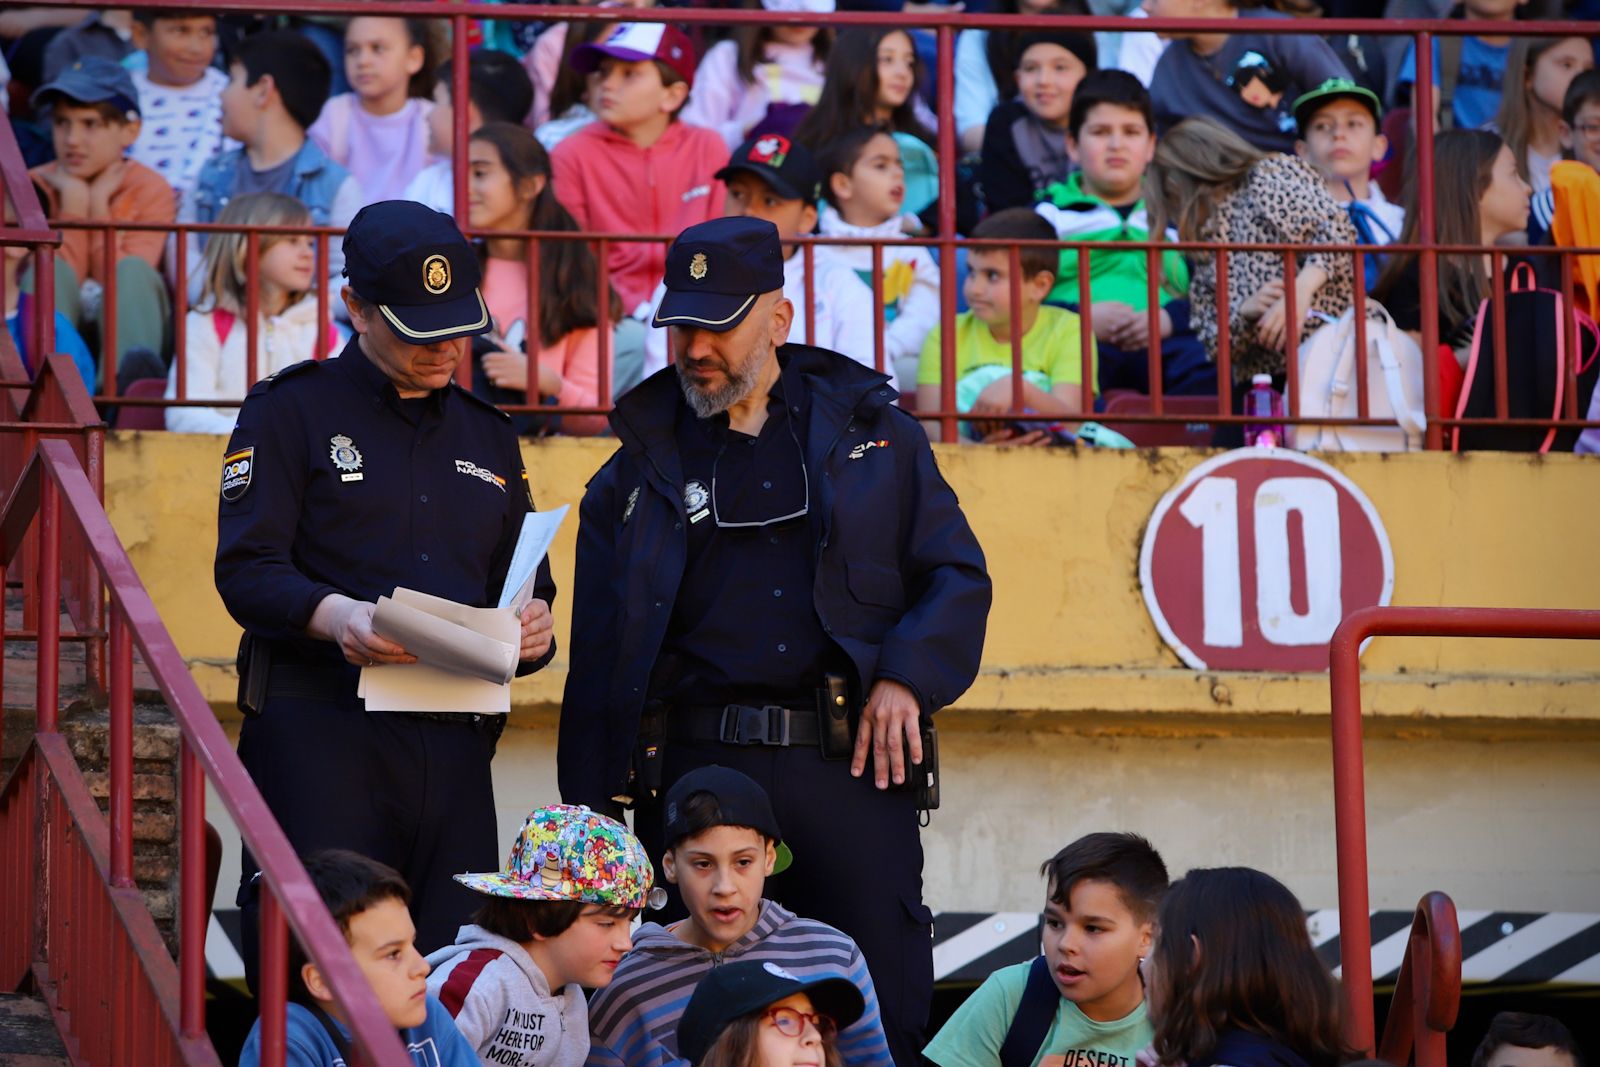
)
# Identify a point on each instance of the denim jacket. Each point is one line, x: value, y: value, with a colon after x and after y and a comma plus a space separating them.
x: 315, y: 181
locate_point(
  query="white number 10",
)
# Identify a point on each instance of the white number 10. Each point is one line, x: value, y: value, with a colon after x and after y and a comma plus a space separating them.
x: 1213, y: 508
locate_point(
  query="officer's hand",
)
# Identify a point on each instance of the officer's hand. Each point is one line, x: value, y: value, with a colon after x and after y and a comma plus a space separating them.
x: 891, y: 713
x: 538, y: 630
x: 348, y: 624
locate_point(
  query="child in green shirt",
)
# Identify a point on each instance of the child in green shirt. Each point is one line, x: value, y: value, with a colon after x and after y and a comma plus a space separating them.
x: 1099, y: 916
x: 1052, y: 360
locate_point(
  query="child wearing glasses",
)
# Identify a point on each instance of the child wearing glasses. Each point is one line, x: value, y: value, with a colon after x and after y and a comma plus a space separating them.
x: 750, y: 1014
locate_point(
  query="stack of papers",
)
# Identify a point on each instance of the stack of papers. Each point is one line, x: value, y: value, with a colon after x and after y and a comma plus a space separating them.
x: 466, y: 656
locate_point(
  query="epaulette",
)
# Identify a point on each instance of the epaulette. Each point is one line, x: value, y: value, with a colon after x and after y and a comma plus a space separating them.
x: 467, y: 394
x: 288, y: 372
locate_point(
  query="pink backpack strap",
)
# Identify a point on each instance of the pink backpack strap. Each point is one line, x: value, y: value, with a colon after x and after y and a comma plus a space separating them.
x: 1468, y: 373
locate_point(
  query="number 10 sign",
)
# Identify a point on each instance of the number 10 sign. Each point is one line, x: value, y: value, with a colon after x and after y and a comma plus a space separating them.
x: 1252, y: 560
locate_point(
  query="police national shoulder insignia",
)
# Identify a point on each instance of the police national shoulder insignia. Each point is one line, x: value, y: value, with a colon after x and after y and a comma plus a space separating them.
x: 436, y: 275
x: 237, y: 467
x: 698, y: 268
x: 346, y: 457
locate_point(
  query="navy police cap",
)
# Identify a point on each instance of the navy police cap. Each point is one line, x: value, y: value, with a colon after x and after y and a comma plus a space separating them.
x: 412, y: 262
x: 715, y: 271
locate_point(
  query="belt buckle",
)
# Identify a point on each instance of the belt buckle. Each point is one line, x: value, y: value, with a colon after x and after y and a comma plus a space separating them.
x: 744, y: 724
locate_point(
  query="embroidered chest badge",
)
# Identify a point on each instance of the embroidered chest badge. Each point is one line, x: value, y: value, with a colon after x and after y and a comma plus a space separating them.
x: 860, y: 450
x: 695, y: 500
x: 346, y: 457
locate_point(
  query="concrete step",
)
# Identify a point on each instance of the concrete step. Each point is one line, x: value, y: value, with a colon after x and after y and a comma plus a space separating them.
x: 28, y: 1035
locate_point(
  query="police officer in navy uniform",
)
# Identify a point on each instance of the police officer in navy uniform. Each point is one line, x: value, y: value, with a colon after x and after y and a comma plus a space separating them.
x: 773, y: 541
x: 344, y: 479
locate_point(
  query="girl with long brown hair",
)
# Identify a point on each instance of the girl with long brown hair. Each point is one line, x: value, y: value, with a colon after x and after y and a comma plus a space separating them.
x: 1233, y: 979
x: 509, y: 188
x: 1538, y: 71
x: 1210, y: 184
x: 763, y: 79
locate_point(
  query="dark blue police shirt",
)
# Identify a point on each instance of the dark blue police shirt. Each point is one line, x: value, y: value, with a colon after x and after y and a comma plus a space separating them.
x: 334, y: 484
x: 744, y: 625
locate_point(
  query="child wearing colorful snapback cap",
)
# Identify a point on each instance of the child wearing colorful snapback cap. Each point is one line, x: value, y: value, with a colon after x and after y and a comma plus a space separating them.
x: 1341, y: 136
x: 556, y: 922
x: 721, y: 844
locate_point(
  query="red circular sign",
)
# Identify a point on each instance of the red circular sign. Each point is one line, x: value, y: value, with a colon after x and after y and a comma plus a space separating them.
x: 1252, y: 560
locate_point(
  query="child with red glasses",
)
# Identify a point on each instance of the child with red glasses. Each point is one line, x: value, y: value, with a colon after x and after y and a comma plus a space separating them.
x: 749, y: 1014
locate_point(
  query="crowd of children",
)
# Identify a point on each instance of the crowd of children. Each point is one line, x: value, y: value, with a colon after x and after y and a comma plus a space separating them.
x: 636, y: 130
x: 1215, y: 969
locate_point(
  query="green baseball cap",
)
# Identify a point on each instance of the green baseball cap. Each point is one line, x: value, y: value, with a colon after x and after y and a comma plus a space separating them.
x: 1334, y: 89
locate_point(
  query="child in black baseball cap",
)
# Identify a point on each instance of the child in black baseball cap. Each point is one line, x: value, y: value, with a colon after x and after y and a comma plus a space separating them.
x: 760, y: 1014
x: 721, y: 842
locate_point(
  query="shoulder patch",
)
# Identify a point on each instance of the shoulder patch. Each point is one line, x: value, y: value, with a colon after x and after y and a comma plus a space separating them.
x: 238, y: 467
x: 285, y: 374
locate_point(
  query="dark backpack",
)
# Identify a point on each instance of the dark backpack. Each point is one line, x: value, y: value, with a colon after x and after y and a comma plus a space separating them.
x: 1040, y: 999
x: 1537, y: 362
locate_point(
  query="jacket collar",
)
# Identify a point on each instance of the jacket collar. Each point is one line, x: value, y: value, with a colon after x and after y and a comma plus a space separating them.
x: 310, y: 160
x: 832, y: 224
x: 645, y: 418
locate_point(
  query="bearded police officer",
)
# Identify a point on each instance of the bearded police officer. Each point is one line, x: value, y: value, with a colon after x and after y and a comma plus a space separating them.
x: 773, y: 576
x: 343, y: 480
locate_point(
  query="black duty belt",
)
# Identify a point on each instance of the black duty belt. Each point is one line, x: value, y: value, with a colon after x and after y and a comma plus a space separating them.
x: 316, y: 681
x: 744, y: 724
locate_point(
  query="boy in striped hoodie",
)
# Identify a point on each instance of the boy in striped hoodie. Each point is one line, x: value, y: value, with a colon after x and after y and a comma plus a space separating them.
x: 555, y: 922
x: 722, y: 842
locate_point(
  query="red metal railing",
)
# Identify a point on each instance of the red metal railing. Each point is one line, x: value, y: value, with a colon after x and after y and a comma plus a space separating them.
x: 71, y: 916
x: 944, y: 26
x: 1427, y: 993
x: 1349, y: 793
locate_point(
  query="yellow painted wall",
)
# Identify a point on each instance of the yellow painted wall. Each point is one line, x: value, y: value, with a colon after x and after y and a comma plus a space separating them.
x: 1069, y: 634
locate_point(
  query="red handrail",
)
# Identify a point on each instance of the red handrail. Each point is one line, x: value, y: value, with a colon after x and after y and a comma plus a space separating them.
x: 1349, y: 788
x: 945, y: 24
x: 1427, y: 993
x: 55, y: 489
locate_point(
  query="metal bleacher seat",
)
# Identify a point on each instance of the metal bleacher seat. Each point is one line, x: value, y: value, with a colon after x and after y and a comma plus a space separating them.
x: 1191, y: 434
x: 140, y: 416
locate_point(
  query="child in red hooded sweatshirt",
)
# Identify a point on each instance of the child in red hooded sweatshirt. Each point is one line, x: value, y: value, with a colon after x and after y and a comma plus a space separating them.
x: 639, y: 170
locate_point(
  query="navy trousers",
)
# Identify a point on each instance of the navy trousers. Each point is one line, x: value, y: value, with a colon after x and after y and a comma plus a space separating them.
x: 409, y: 792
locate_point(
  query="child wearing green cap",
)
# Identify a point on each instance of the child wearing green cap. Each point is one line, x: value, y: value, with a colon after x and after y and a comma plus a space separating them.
x: 555, y: 923
x: 1339, y: 137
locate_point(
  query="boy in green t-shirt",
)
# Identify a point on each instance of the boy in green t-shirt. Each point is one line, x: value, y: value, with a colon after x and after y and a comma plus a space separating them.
x: 1099, y: 917
x: 1111, y: 138
x: 1052, y: 363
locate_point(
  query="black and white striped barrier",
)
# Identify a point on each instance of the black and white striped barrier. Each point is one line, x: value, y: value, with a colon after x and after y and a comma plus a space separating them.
x: 1497, y: 947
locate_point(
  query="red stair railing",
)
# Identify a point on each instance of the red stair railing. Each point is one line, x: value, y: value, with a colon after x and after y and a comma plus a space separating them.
x: 1350, y: 809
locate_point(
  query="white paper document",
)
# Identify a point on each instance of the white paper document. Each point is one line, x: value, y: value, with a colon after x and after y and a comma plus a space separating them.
x: 466, y: 656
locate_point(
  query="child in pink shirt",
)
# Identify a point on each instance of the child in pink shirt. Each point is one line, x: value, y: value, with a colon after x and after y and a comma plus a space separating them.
x: 639, y: 170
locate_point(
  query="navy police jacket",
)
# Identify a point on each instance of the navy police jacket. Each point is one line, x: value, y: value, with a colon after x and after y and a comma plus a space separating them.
x: 900, y: 582
x: 328, y: 487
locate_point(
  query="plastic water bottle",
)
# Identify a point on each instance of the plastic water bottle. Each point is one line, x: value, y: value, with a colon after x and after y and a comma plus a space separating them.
x: 1264, y: 404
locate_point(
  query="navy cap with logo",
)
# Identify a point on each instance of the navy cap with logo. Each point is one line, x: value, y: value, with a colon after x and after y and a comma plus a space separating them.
x: 91, y: 80
x: 412, y: 262
x: 715, y: 271
x: 737, y: 989
x: 789, y: 168
x: 740, y: 801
